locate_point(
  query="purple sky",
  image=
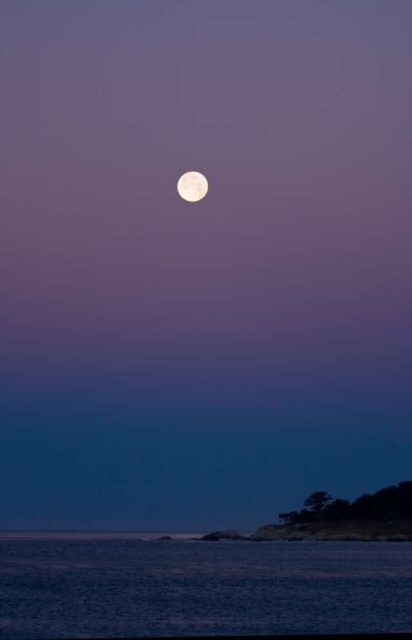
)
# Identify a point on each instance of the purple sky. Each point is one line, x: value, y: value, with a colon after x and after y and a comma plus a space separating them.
x: 255, y: 345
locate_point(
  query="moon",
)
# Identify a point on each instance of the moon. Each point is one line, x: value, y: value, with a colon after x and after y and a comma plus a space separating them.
x: 192, y: 186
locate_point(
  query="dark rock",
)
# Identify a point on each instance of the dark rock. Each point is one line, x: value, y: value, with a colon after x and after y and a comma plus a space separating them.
x: 165, y: 538
x: 229, y: 534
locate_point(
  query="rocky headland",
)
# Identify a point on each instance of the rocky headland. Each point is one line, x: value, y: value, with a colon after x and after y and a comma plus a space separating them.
x: 349, y: 530
x: 384, y: 516
x: 346, y: 530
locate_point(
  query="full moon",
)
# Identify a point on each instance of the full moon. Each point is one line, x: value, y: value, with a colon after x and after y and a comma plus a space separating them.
x: 192, y: 186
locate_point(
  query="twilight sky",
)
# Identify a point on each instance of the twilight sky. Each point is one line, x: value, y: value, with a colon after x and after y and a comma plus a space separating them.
x: 176, y: 366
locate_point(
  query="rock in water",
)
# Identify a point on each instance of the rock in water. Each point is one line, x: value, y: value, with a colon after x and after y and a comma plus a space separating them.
x: 229, y: 534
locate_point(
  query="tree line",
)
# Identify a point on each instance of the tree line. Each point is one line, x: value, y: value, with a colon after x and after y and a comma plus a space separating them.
x: 390, y: 503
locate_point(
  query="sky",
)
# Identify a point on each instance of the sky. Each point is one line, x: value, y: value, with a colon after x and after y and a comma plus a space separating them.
x: 173, y: 366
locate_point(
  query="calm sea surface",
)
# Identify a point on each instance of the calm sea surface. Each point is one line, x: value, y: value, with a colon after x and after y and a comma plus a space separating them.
x: 65, y: 585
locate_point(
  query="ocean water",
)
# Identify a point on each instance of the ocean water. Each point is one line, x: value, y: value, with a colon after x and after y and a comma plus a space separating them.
x: 67, y: 585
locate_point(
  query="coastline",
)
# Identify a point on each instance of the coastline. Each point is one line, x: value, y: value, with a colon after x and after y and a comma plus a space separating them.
x: 324, y: 531
x: 321, y: 531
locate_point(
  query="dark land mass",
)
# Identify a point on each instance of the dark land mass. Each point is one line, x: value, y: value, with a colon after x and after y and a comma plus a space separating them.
x: 345, y: 530
x: 382, y: 516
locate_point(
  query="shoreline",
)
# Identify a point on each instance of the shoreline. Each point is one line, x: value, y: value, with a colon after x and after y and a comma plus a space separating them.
x: 323, y: 531
x: 320, y: 531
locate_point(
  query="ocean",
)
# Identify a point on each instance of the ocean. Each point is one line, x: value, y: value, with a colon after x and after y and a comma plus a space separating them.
x: 103, y: 585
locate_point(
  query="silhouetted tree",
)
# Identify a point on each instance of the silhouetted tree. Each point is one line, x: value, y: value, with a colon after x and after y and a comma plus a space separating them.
x: 316, y: 502
x: 288, y: 518
x: 361, y: 508
x: 305, y: 515
x: 405, y: 498
x: 336, y: 510
x: 385, y: 504
x: 389, y: 503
